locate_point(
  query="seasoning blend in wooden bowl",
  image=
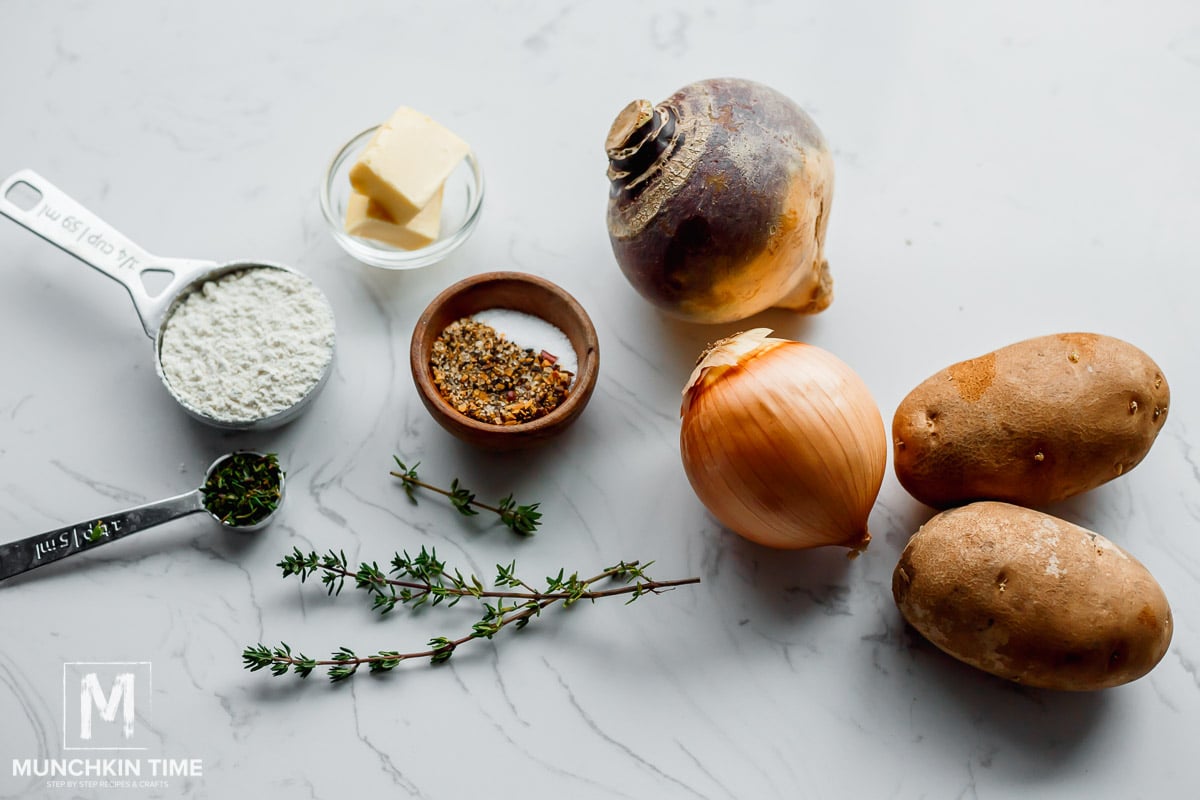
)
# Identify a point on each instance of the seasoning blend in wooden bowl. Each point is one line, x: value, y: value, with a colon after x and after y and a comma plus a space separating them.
x: 484, y: 359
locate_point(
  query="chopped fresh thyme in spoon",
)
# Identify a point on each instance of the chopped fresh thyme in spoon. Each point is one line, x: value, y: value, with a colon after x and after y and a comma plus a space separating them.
x: 244, y: 488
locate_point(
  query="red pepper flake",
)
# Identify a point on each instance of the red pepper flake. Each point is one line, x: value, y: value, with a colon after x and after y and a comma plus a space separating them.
x: 488, y: 378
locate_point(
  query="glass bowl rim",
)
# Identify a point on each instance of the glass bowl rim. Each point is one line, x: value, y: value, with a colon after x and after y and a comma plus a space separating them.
x: 390, y: 258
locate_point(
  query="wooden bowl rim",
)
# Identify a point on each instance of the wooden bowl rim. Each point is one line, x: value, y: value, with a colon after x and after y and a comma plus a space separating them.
x: 586, y: 346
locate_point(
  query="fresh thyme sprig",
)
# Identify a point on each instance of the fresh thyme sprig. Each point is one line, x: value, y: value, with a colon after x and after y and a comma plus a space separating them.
x: 425, y: 578
x: 522, y: 519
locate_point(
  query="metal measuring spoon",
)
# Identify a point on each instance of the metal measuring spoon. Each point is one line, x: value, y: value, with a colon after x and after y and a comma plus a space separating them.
x: 45, y: 548
x: 62, y: 221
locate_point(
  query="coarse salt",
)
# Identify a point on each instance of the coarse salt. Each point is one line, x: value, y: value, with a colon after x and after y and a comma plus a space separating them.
x: 531, y: 332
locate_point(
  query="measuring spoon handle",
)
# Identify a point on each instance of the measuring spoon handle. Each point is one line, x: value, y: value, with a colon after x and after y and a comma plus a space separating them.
x: 45, y: 548
x: 37, y: 204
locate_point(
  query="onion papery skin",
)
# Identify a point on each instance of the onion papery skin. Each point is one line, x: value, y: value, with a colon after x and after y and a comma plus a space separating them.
x: 786, y: 447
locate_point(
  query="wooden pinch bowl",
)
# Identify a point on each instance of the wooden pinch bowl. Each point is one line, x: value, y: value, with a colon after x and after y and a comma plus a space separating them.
x: 517, y: 291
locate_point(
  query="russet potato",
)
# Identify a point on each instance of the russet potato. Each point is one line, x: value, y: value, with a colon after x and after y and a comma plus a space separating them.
x: 1032, y: 598
x: 1032, y: 423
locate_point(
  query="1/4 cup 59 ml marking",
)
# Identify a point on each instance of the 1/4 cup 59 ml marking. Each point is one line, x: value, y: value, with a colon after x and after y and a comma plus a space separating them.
x: 35, y: 203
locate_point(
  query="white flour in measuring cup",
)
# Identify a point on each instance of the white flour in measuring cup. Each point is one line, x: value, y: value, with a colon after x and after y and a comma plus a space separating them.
x: 248, y: 344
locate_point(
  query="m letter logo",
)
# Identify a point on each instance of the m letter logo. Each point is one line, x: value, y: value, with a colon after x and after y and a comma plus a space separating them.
x: 91, y: 695
x: 103, y: 704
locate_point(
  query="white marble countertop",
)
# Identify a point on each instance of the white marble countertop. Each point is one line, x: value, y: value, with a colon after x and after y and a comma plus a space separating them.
x: 1002, y: 172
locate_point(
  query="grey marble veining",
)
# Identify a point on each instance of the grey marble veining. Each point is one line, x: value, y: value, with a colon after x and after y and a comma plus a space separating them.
x: 1002, y: 172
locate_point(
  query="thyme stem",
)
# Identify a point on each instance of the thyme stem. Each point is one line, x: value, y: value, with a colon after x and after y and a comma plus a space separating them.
x: 531, y: 593
x: 426, y: 579
x: 443, y: 492
x: 523, y: 519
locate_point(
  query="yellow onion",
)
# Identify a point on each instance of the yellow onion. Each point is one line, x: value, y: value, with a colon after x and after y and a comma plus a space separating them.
x: 783, y: 442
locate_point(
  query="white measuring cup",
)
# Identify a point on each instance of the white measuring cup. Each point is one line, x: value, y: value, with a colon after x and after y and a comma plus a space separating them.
x: 46, y: 548
x: 38, y: 205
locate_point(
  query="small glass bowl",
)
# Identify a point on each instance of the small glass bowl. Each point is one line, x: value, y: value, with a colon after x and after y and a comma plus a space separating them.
x: 462, y: 203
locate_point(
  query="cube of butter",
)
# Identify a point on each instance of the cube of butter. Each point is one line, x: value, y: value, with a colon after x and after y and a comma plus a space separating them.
x: 406, y: 162
x: 366, y: 218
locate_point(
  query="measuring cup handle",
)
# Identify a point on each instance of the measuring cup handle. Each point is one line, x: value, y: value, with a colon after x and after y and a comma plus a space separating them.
x: 62, y: 221
x: 45, y: 548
